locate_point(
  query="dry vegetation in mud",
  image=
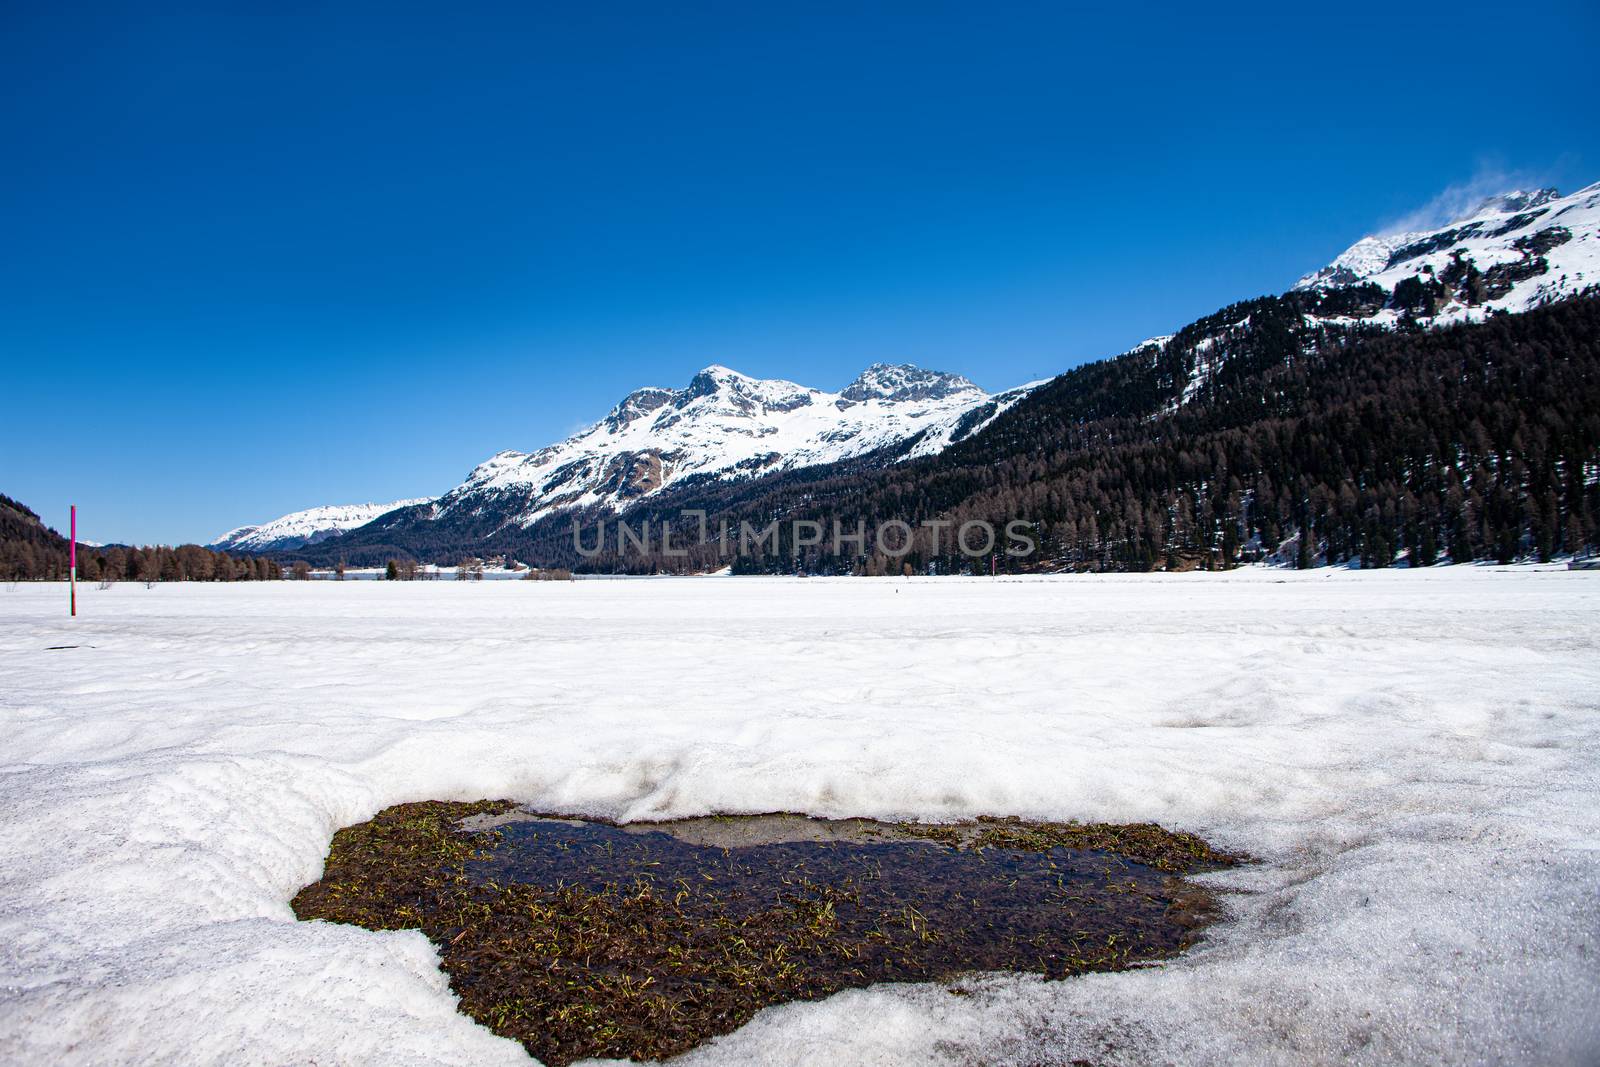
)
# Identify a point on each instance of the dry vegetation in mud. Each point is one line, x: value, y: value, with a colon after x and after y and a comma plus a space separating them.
x: 583, y: 939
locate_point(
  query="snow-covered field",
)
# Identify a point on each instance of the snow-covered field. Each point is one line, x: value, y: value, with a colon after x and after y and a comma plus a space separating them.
x: 1415, y: 756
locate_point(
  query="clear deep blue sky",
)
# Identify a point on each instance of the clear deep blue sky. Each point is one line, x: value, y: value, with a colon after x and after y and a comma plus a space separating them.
x: 254, y: 262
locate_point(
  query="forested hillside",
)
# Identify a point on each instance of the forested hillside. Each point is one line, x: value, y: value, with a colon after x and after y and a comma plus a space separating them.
x: 1228, y: 441
x: 31, y: 550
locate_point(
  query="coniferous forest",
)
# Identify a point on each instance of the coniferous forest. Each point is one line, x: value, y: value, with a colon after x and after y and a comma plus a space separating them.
x: 1303, y: 442
x: 30, y: 550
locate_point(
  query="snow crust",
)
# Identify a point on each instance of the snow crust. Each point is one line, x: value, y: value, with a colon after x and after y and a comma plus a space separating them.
x: 1413, y: 755
x: 306, y: 527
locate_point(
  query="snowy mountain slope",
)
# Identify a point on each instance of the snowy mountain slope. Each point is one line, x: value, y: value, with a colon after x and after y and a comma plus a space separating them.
x: 307, y: 527
x: 1514, y: 251
x: 724, y: 425
x: 1527, y: 249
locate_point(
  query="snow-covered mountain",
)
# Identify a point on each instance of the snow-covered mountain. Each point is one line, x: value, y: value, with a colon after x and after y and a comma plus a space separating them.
x: 1512, y: 252
x: 724, y: 425
x: 308, y: 527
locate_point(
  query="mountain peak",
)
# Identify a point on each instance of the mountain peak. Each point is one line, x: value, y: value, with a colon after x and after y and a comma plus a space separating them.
x: 637, y: 404
x: 742, y: 391
x: 300, y: 528
x: 716, y: 377
x: 723, y: 426
x: 905, y: 381
x: 1514, y: 201
x: 1526, y: 246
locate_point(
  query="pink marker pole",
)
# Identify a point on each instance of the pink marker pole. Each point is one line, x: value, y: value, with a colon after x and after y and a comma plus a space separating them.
x: 72, y: 561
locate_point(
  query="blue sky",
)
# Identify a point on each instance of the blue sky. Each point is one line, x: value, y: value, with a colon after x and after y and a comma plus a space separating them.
x: 254, y: 262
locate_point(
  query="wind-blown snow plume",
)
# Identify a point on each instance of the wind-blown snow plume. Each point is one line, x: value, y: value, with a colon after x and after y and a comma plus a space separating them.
x: 1461, y: 199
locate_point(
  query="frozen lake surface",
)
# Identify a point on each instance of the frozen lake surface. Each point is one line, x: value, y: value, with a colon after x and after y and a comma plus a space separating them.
x: 1415, y: 755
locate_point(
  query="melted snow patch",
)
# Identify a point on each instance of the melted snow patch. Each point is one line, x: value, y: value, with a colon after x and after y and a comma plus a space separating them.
x: 1412, y: 754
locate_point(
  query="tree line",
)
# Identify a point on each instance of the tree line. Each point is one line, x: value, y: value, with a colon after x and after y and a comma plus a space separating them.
x: 1301, y: 443
x: 1261, y: 431
x: 30, y: 551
